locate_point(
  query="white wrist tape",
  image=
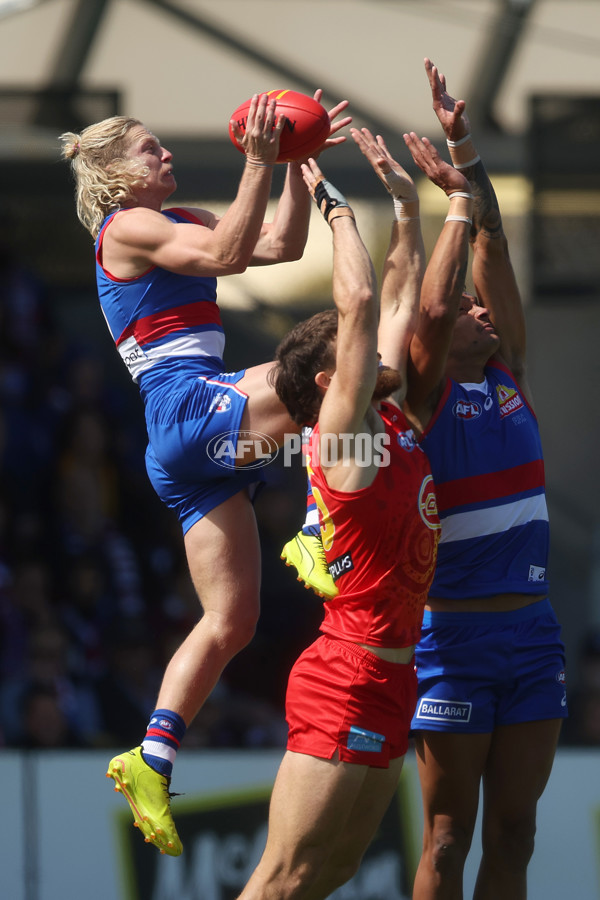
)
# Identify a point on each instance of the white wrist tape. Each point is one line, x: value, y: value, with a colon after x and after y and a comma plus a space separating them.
x: 459, y: 219
x: 462, y: 207
x: 468, y: 163
x: 403, y: 210
x: 458, y: 143
x: 457, y: 155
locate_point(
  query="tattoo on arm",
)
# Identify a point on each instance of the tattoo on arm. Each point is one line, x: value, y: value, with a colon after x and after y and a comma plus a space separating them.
x: 486, y: 212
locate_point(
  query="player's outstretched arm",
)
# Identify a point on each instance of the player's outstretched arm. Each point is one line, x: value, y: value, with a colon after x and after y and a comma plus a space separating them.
x: 443, y: 282
x: 350, y: 388
x: 404, y: 262
x: 284, y: 238
x: 493, y: 275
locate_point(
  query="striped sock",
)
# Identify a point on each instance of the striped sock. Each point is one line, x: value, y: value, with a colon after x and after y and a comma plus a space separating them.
x: 165, y: 733
x: 311, y: 522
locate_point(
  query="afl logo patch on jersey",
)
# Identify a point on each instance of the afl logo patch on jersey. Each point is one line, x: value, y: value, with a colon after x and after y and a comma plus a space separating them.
x: 428, y: 504
x: 407, y: 441
x: 466, y: 409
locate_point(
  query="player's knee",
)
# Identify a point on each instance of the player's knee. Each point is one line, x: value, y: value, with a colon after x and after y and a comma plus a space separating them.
x: 342, y: 875
x: 231, y: 633
x: 335, y: 874
x: 511, y: 843
x: 449, y: 849
x: 238, y: 632
x: 293, y: 883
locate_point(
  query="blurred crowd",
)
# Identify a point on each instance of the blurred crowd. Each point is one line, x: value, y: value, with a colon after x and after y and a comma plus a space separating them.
x: 95, y: 592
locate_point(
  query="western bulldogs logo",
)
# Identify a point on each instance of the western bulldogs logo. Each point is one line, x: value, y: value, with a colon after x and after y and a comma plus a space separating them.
x: 221, y: 403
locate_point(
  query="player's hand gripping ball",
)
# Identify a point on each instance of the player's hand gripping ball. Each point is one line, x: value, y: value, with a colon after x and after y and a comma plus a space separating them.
x: 307, y: 124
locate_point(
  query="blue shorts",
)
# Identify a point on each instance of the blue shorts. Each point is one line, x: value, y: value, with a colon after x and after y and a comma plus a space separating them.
x: 184, y: 427
x: 477, y: 671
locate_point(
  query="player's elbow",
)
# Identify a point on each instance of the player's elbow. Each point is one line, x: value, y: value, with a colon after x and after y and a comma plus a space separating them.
x: 362, y: 298
x: 293, y: 253
x: 230, y: 262
x: 439, y: 313
x: 238, y: 267
x: 288, y: 251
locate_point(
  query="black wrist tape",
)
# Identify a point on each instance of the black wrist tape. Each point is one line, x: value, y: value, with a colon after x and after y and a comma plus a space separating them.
x: 328, y: 199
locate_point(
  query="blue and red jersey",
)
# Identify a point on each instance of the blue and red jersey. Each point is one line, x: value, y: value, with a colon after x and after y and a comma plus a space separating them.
x: 485, y: 452
x: 160, y: 316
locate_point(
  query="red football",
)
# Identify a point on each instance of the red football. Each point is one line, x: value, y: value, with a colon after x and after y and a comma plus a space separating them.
x: 305, y: 130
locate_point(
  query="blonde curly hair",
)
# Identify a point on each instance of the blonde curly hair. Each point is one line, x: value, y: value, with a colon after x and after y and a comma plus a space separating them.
x: 104, y: 178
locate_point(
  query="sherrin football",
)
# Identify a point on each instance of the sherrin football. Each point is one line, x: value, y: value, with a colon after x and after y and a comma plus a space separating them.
x: 305, y: 130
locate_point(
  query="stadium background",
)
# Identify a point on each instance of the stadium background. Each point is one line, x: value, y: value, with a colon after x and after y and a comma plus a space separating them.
x: 93, y: 587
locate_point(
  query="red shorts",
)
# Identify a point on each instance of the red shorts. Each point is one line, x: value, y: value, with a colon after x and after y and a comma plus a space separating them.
x: 343, y: 698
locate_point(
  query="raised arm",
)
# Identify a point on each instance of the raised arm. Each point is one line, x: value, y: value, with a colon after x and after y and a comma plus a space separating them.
x: 141, y: 236
x: 404, y: 262
x: 284, y: 238
x: 443, y: 284
x: 493, y: 276
x: 349, y: 388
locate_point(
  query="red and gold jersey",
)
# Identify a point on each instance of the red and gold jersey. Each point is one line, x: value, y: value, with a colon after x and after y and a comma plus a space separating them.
x: 380, y: 542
